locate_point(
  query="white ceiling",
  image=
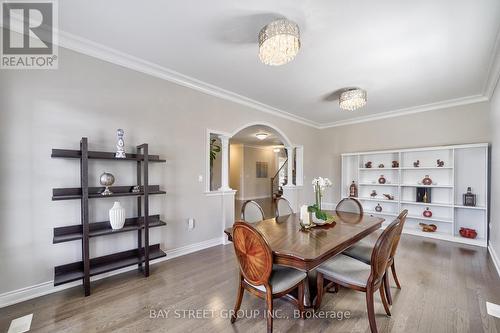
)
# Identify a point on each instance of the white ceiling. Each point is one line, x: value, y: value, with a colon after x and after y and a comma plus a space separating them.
x: 406, y: 54
x: 247, y: 136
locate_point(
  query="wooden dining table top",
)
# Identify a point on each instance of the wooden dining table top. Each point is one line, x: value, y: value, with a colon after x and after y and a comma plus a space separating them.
x: 306, y: 249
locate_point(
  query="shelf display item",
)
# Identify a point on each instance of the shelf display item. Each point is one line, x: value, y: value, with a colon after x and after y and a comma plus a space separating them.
x: 416, y: 164
x: 423, y: 194
x: 427, y: 180
x: 388, y: 196
x: 427, y: 212
x: 107, y: 179
x: 368, y: 165
x: 382, y: 179
x: 440, y: 163
x: 468, y: 233
x: 120, y: 144
x: 428, y: 227
x: 378, y: 208
x: 373, y: 194
x: 353, y: 190
x: 395, y: 164
x: 469, y: 198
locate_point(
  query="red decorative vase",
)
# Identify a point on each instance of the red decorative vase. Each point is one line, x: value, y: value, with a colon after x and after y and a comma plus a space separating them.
x: 468, y: 233
x: 427, y: 180
x: 427, y: 212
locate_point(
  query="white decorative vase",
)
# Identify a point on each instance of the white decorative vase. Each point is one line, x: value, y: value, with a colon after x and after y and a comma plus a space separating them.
x: 117, y: 216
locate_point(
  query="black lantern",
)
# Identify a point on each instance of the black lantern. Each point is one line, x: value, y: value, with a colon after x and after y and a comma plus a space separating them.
x: 469, y: 198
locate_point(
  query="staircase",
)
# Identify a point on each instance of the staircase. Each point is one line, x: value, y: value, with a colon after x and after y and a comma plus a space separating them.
x: 278, y: 180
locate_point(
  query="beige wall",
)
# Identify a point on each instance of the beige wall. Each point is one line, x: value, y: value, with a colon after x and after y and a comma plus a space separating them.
x: 242, y: 171
x: 41, y: 110
x: 255, y: 188
x: 463, y: 124
x: 495, y: 177
x: 236, y: 168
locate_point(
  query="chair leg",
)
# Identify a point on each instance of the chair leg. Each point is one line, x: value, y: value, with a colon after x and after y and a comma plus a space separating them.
x: 393, y: 268
x: 300, y: 298
x: 269, y: 309
x: 319, y: 289
x: 336, y: 287
x: 239, y: 297
x: 387, y: 287
x: 371, y: 311
x: 384, y: 300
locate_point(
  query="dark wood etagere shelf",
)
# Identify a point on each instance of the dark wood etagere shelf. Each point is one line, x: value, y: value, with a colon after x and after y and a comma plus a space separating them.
x: 143, y: 253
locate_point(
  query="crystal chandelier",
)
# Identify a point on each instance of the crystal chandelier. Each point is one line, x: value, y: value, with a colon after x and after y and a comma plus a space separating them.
x: 279, y: 42
x: 352, y: 99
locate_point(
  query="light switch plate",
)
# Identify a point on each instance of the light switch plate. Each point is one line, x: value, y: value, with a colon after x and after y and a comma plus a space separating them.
x: 191, y: 224
x: 200, y: 178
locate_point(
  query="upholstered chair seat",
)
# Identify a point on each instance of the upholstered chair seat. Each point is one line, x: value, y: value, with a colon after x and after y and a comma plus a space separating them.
x: 282, y: 278
x: 362, y: 250
x: 347, y: 269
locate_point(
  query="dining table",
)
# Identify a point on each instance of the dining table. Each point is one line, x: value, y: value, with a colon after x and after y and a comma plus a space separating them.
x: 305, y: 249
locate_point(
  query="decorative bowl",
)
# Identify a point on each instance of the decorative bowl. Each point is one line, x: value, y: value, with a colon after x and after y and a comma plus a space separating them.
x: 468, y: 233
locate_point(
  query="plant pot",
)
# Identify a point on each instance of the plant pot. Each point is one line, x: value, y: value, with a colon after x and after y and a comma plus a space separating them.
x: 117, y: 216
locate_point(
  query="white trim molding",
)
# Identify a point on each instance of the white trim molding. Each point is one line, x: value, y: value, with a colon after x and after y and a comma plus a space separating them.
x: 99, y: 51
x: 45, y: 288
x: 494, y: 257
x: 411, y: 110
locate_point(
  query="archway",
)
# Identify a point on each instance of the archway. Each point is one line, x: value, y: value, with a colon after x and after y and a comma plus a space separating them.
x: 258, y: 166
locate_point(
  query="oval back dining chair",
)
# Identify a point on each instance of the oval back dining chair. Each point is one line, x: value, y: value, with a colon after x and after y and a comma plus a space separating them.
x: 283, y: 207
x: 349, y: 205
x: 251, y: 212
x: 259, y: 276
x: 354, y: 274
x: 363, y: 249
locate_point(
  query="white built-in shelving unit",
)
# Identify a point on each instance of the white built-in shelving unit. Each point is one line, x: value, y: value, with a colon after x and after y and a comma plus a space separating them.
x: 464, y: 166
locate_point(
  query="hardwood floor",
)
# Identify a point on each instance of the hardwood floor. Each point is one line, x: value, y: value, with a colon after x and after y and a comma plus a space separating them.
x: 445, y: 289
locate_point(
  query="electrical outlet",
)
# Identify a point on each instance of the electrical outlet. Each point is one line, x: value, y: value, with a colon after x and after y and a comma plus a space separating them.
x: 190, y: 223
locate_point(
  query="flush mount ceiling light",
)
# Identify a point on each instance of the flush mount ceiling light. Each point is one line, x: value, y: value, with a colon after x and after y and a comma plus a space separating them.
x: 352, y: 99
x: 276, y: 150
x: 261, y: 135
x: 279, y: 42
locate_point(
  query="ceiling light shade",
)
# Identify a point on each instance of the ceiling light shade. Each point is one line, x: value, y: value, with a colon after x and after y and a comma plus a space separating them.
x: 279, y: 42
x: 276, y: 150
x: 261, y: 136
x: 352, y: 99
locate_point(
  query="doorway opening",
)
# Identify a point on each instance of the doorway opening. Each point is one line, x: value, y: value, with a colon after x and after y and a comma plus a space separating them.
x: 258, y: 167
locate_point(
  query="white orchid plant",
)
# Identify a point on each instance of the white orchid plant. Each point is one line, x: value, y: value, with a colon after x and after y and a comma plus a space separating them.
x: 320, y: 184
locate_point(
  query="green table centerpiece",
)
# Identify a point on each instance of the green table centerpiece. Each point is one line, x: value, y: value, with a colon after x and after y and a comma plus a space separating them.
x: 318, y: 216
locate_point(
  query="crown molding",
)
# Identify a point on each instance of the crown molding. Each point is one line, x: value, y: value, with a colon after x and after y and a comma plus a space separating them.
x: 99, y: 51
x: 406, y: 111
x: 493, y: 70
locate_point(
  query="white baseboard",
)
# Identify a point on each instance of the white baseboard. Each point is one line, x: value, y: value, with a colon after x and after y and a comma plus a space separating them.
x: 254, y: 198
x: 27, y: 293
x: 495, y: 258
